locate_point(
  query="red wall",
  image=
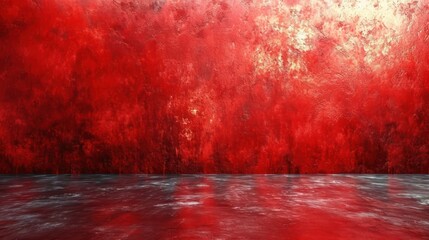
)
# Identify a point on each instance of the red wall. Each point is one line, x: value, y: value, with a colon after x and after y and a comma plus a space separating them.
x: 235, y: 86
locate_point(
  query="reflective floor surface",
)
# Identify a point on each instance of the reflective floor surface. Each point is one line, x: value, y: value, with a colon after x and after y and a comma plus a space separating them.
x: 214, y: 207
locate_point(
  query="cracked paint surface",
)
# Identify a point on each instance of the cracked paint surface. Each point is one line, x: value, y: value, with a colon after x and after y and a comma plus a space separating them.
x: 214, y: 86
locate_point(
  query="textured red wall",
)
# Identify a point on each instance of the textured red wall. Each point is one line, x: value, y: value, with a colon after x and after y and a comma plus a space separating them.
x: 236, y: 86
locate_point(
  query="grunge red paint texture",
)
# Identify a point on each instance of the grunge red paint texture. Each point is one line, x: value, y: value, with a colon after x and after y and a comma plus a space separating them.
x: 209, y: 86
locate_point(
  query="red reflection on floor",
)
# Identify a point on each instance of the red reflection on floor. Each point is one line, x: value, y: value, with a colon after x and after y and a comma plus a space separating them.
x: 215, y: 207
x: 219, y: 86
x: 197, y: 215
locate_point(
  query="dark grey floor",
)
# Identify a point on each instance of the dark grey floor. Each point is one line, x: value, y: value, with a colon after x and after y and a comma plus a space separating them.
x: 214, y: 207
